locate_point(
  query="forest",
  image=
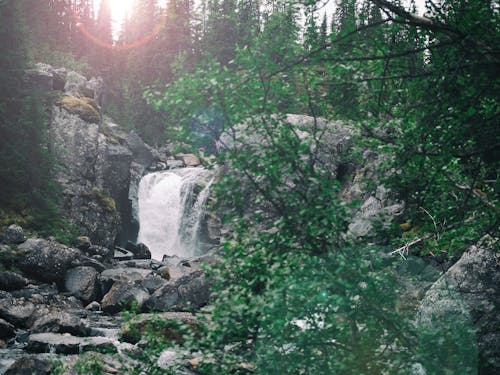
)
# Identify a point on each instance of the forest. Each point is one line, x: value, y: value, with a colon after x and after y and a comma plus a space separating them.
x: 415, y: 83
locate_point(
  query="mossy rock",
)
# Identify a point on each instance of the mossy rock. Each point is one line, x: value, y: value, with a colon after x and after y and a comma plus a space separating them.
x: 86, y: 108
x: 103, y: 200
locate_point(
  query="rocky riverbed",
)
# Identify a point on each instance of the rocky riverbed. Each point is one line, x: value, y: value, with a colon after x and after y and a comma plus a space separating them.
x: 58, y: 302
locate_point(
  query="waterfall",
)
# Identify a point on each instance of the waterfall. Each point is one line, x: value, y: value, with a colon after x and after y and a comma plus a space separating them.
x: 171, y: 209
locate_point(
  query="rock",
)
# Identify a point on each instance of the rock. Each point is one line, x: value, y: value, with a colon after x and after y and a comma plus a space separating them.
x: 461, y: 310
x: 142, y: 152
x: 139, y: 250
x: 16, y: 311
x: 75, y: 83
x: 46, y: 260
x: 93, y: 88
x: 190, y: 291
x: 194, y: 290
x: 85, y: 108
x: 102, y: 252
x: 164, y: 299
x: 80, y: 150
x: 174, y: 164
x: 167, y: 358
x: 108, y: 277
x: 28, y: 365
x: 189, y: 160
x: 12, y: 281
x: 59, y: 78
x: 67, y: 344
x: 6, y: 330
x: 14, y: 234
x: 60, y: 322
x: 122, y: 254
x: 83, y: 243
x: 93, y: 306
x: 38, y: 80
x: 373, y: 211
x: 123, y: 295
x: 153, y: 283
x: 82, y: 283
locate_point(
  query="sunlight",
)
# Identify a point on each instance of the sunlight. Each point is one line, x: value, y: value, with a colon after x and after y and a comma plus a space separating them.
x: 120, y: 9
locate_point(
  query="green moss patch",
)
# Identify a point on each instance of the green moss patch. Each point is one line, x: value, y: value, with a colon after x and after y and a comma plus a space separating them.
x: 86, y: 108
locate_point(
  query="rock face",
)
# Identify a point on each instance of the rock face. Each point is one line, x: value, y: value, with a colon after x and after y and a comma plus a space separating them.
x: 462, y: 310
x: 46, y: 260
x: 100, y: 165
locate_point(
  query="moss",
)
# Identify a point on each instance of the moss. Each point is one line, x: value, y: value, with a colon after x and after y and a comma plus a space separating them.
x: 103, y: 199
x: 86, y: 108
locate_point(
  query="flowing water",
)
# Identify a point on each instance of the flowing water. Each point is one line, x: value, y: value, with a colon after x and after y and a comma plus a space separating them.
x: 171, y: 209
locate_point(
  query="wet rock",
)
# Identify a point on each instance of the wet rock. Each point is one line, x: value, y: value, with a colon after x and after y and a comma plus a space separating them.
x: 139, y: 250
x: 12, y: 281
x: 82, y: 283
x: 46, y: 260
x: 14, y: 234
x: 29, y: 365
x: 67, y: 344
x: 60, y: 322
x: 123, y: 295
x: 6, y: 330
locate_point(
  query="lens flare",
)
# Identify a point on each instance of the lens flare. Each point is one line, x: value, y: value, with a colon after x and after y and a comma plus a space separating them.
x: 137, y: 43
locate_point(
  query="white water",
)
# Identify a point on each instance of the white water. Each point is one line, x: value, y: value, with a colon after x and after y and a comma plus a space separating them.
x: 170, y: 212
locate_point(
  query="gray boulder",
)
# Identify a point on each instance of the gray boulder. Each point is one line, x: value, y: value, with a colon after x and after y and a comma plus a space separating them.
x: 14, y: 234
x: 46, y: 260
x: 12, y: 281
x: 82, y: 283
x: 60, y: 322
x: 165, y: 298
x: 29, y: 365
x: 124, y: 295
x: 188, y: 292
x: 108, y: 277
x: 139, y: 250
x: 16, y: 311
x: 460, y: 314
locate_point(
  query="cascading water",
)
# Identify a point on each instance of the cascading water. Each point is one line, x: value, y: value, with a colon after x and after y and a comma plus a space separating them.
x: 171, y: 210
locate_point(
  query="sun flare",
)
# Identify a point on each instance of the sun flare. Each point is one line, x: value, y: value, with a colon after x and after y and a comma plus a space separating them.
x: 120, y: 9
